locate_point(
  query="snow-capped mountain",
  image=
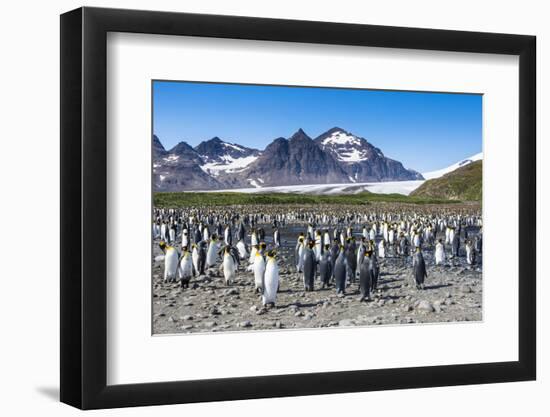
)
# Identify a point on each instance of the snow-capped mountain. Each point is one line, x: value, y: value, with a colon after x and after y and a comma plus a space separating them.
x: 179, y: 168
x: 335, y: 157
x: 221, y: 157
x: 297, y: 160
x: 440, y: 172
x: 362, y: 161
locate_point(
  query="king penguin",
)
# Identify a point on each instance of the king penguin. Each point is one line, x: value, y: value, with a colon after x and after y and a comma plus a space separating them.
x: 185, y: 239
x: 259, y: 270
x: 366, y: 277
x: 340, y: 267
x: 325, y: 267
x: 185, y: 269
x: 271, y: 280
x: 276, y: 237
x: 470, y: 253
x: 212, y: 253
x: 229, y: 266
x: 299, y: 254
x: 352, y: 260
x: 419, y: 268
x: 455, y: 244
x: 439, y: 253
x: 310, y: 266
x: 227, y: 236
x: 171, y: 258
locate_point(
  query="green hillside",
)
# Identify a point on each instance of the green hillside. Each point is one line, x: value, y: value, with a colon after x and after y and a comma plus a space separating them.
x: 167, y: 199
x: 463, y: 184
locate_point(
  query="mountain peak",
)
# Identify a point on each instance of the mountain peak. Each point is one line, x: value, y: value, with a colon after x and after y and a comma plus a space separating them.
x: 300, y: 135
x: 181, y: 147
x: 339, y: 137
x: 335, y: 129
x: 158, y: 148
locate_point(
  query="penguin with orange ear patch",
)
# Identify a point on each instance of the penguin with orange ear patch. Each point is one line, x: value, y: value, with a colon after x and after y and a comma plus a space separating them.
x: 271, y: 280
x: 171, y: 260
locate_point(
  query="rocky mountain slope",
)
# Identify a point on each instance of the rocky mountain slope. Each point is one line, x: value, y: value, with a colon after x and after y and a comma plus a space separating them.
x: 362, y: 161
x: 297, y: 160
x: 336, y: 156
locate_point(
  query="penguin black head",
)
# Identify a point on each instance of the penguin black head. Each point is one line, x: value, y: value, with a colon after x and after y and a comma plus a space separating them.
x: 368, y: 253
x: 263, y: 245
x: 311, y: 244
x: 162, y: 245
x: 327, y: 247
x: 271, y: 254
x: 227, y: 249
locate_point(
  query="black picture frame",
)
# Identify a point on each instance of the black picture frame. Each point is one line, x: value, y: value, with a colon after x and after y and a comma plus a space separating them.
x: 84, y: 207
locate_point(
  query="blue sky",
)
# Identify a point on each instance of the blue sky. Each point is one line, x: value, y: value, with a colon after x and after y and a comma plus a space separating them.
x: 424, y: 131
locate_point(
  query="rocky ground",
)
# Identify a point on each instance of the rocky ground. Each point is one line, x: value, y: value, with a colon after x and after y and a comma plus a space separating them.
x: 453, y: 293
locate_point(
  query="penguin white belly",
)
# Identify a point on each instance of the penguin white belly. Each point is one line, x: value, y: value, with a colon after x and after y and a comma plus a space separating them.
x: 439, y: 254
x: 228, y: 269
x: 212, y: 255
x: 259, y: 271
x: 381, y: 250
x: 242, y: 249
x: 170, y: 264
x: 172, y: 235
x: 185, y: 270
x: 252, y: 256
x: 271, y: 282
x: 318, y: 251
x: 300, y: 261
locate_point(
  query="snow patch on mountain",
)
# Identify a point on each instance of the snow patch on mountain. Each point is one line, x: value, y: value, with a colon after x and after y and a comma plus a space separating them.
x: 352, y: 155
x: 233, y: 146
x: 345, y: 146
x: 440, y: 172
x: 228, y: 165
x: 341, y: 138
x: 171, y: 158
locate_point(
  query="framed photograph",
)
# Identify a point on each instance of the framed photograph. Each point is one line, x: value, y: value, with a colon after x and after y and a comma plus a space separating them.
x: 262, y: 208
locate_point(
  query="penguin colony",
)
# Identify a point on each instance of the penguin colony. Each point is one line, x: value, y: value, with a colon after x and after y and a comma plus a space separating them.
x: 342, y: 248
